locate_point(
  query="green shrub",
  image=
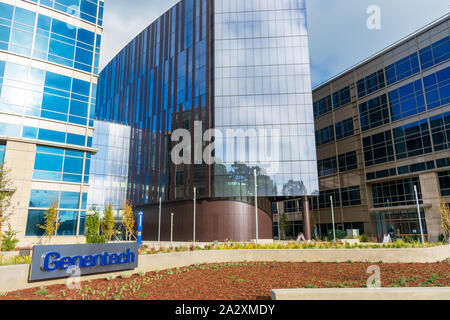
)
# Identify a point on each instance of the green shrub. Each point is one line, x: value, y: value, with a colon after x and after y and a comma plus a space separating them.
x: 364, y: 238
x: 9, y: 239
x: 93, y: 228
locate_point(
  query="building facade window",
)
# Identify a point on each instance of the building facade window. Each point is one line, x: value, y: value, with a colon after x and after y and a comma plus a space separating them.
x: 54, y: 164
x: 435, y: 53
x: 348, y: 161
x: 341, y: 97
x: 407, y: 100
x: 402, y: 69
x: 71, y: 211
x: 370, y: 84
x: 322, y: 106
x: 412, y: 139
x: 396, y: 193
x: 2, y: 152
x: 325, y: 135
x: 327, y: 166
x: 444, y: 182
x: 54, y: 40
x: 374, y: 113
x: 437, y: 88
x: 344, y: 129
x: 378, y: 148
x: 350, y: 196
x: 440, y: 130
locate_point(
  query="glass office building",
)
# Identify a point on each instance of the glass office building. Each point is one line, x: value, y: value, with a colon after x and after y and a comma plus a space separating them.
x: 49, y: 53
x: 238, y: 67
x: 381, y: 129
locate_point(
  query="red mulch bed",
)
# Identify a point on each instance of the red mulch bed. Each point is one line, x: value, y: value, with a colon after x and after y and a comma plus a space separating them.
x: 241, y: 281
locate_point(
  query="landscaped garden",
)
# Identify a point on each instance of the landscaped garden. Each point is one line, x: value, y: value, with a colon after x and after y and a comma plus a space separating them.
x: 290, y: 245
x: 245, y: 280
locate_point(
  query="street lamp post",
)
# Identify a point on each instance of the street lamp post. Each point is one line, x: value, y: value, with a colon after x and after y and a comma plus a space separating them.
x: 195, y: 212
x: 332, y: 218
x: 256, y: 204
x: 171, y: 227
x: 418, y: 213
x: 159, y: 221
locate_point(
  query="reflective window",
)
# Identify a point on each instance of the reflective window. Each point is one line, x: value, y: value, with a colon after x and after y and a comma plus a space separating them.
x: 325, y: 135
x: 437, y: 88
x: 374, y: 113
x: 402, y: 69
x: 84, y: 9
x: 440, y: 130
x: 436, y: 53
x: 327, y: 166
x: 412, y: 139
x: 341, y: 97
x: 55, y: 164
x: 41, y: 200
x: 344, y: 129
x: 350, y: 196
x: 43, y: 94
x: 378, y: 148
x: 396, y: 193
x: 370, y: 84
x: 2, y: 153
x: 54, y: 40
x: 444, y: 182
x: 322, y: 106
x: 381, y: 174
x: 348, y: 161
x: 407, y: 100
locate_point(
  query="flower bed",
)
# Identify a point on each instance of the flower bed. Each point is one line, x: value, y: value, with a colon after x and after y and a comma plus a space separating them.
x: 291, y: 245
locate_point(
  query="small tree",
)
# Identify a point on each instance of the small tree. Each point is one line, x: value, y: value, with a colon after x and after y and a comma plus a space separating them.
x: 128, y: 219
x: 93, y: 228
x: 51, y: 223
x: 284, y: 224
x: 9, y: 239
x: 107, y: 223
x: 7, y: 190
x: 445, y: 218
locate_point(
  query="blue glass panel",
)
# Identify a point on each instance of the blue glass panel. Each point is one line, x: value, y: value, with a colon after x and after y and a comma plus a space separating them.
x: 2, y: 153
x: 69, y: 200
x: 75, y: 139
x: 82, y: 223
x: 6, y: 11
x: 29, y: 132
x: 35, y: 218
x: 48, y: 162
x: 50, y: 135
x: 68, y: 223
x: 24, y: 16
x: 43, y: 198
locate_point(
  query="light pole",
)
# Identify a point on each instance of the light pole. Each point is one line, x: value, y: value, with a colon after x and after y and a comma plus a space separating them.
x: 278, y: 213
x: 195, y: 212
x: 332, y: 218
x: 171, y: 227
x: 159, y: 221
x: 256, y: 204
x: 418, y: 213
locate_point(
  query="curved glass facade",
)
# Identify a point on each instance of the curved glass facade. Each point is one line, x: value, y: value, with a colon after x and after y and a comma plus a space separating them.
x: 238, y: 67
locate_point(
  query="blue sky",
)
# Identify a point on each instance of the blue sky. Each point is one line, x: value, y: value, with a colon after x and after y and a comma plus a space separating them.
x: 339, y: 37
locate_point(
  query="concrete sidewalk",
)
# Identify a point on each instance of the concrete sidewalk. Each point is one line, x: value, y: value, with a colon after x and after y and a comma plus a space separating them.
x: 435, y: 293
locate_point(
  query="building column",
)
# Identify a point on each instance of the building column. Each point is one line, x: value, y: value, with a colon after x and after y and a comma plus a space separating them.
x: 306, y: 219
x: 429, y: 186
